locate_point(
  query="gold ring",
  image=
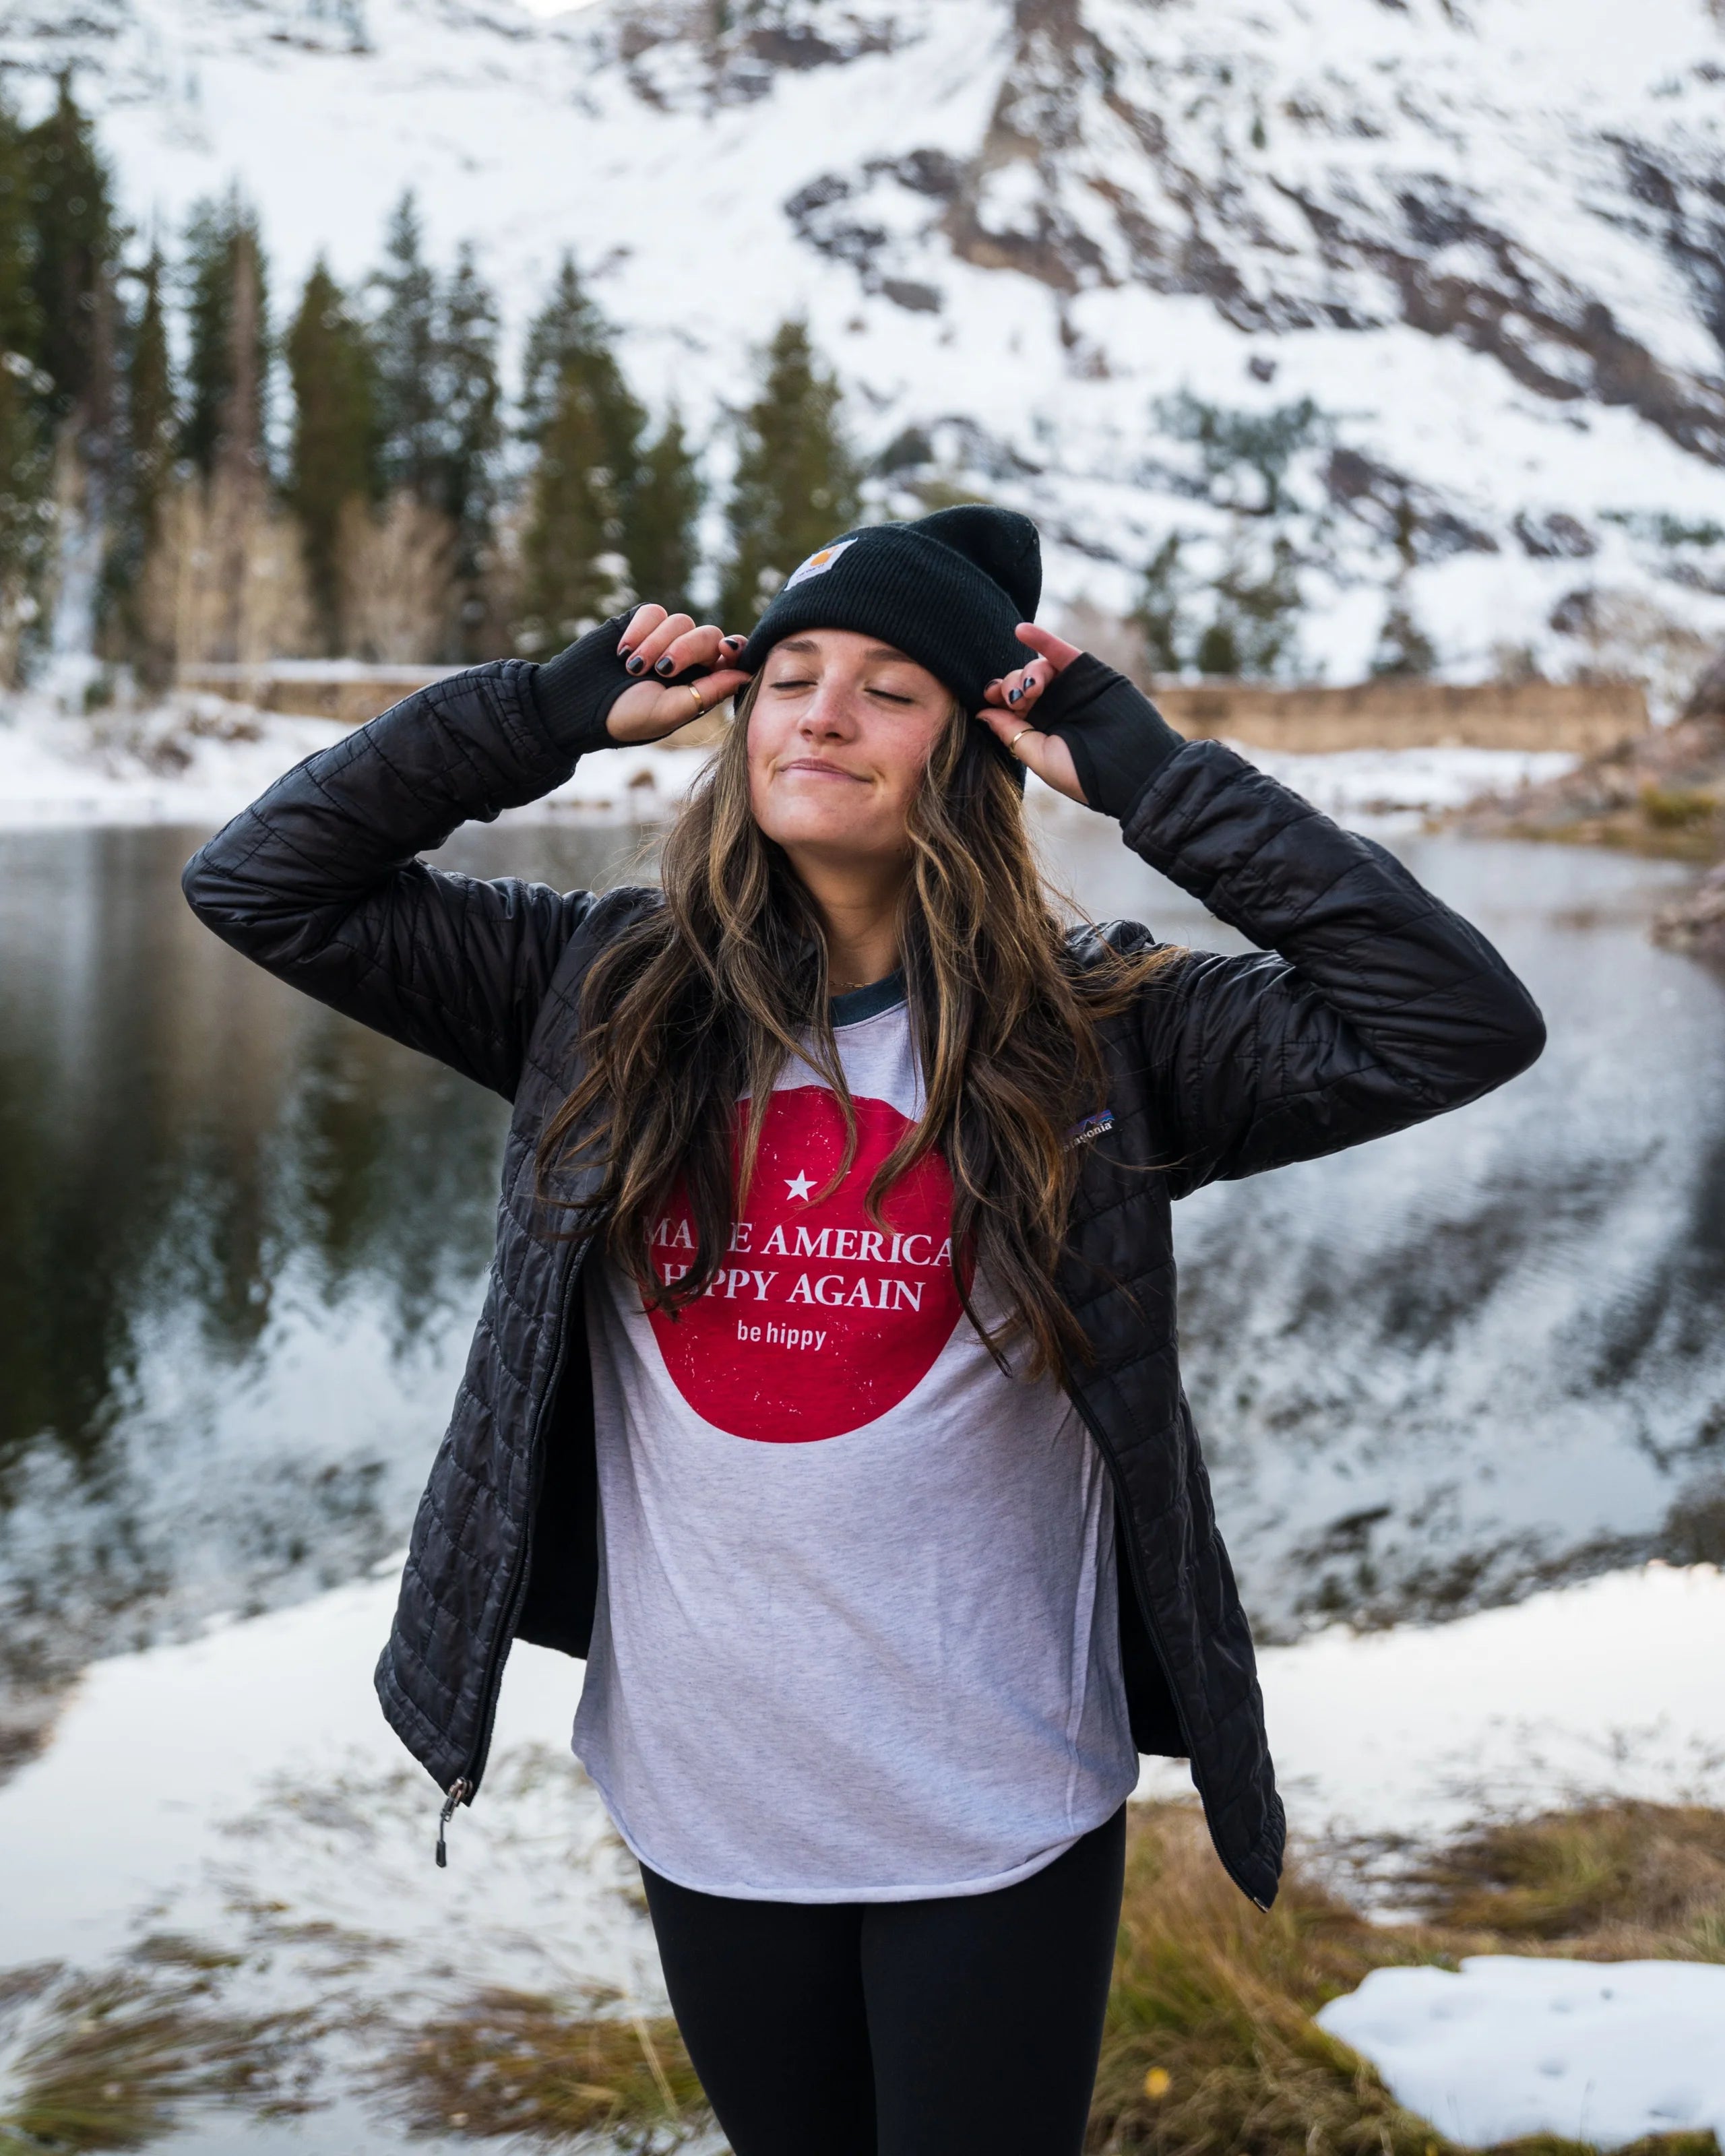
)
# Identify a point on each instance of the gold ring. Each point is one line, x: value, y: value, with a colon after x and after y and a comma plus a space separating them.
x: 1013, y: 745
x: 700, y: 708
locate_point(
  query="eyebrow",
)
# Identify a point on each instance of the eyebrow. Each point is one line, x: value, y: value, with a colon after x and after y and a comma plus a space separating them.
x: 874, y: 651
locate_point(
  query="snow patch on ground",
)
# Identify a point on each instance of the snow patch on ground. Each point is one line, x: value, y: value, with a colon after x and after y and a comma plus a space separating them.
x: 198, y: 759
x: 1610, y: 1688
x: 1402, y: 785
x: 1599, y: 2052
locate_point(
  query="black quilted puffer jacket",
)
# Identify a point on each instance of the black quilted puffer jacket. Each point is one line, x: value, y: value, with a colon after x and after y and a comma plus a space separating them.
x: 1369, y: 1006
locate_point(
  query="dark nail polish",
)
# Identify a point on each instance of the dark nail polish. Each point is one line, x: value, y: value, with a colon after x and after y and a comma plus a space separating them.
x: 1013, y: 695
x: 666, y: 666
x: 634, y: 664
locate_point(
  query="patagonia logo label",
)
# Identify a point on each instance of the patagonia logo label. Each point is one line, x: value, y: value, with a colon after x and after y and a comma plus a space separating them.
x: 817, y: 565
x: 1091, y: 1128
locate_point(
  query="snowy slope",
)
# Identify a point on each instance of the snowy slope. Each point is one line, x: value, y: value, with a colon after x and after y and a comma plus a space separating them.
x: 1485, y: 237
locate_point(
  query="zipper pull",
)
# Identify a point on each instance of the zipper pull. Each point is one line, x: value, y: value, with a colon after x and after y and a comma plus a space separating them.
x: 459, y: 1791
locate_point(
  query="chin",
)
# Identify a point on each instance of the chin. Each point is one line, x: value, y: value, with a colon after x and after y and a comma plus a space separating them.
x: 832, y: 829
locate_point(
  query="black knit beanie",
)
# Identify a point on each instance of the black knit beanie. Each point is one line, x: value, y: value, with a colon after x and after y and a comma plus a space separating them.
x: 947, y: 591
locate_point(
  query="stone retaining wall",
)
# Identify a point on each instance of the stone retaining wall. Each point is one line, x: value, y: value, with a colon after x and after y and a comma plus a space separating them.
x: 1583, y: 718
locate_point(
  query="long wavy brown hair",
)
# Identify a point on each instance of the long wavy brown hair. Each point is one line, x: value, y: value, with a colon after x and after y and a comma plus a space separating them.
x: 697, y: 1005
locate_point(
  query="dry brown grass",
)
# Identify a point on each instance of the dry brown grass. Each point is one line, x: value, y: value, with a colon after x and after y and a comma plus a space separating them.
x: 1211, y: 2049
x: 1622, y: 1880
x: 516, y: 2064
x: 113, y: 2062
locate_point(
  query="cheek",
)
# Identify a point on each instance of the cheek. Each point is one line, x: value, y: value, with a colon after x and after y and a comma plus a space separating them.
x: 903, y: 756
x: 765, y: 738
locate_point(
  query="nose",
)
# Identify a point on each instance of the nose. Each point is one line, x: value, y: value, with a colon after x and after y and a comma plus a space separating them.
x: 827, y: 714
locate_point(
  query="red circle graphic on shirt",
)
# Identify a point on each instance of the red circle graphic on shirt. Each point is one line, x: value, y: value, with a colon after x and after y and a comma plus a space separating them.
x: 817, y: 1321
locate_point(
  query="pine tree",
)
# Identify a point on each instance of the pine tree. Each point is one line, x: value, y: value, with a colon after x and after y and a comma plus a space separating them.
x: 569, y: 556
x: 19, y: 326
x: 1404, y: 647
x: 147, y: 427
x: 1160, y: 615
x: 470, y: 402
x: 334, y: 458
x: 26, y: 471
x: 405, y: 339
x: 227, y: 363
x: 569, y: 331
x: 600, y: 490
x: 1255, y: 631
x: 26, y: 466
x: 73, y: 237
x: 658, y: 520
x: 796, y: 483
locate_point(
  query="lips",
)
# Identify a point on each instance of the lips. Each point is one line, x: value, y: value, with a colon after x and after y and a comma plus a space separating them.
x: 812, y: 768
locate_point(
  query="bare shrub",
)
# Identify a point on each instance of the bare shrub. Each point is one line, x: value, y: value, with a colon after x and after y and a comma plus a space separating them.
x: 225, y: 580
x: 396, y: 570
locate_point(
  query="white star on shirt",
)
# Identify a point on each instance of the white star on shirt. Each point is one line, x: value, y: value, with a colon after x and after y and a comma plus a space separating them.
x: 799, y: 1185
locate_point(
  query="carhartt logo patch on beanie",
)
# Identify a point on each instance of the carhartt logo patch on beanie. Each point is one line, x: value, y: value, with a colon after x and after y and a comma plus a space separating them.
x: 817, y: 564
x: 948, y: 591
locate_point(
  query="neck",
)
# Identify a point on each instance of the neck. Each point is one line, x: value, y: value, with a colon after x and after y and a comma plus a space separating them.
x: 857, y: 901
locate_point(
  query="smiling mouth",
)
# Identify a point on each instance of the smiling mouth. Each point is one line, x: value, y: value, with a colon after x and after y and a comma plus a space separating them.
x: 817, y: 769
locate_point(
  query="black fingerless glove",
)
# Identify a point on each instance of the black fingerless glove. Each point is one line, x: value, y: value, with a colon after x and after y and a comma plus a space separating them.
x: 575, y: 690
x: 1118, y: 739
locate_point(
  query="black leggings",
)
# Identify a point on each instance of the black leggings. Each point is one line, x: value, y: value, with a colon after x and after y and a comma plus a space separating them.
x: 968, y: 2026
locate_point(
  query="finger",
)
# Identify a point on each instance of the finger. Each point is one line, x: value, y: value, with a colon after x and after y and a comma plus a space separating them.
x: 652, y: 647
x: 696, y: 647
x: 1024, y: 686
x: 649, y: 710
x: 1045, y: 754
x: 684, y: 703
x: 1055, y: 649
x: 641, y: 622
x: 716, y: 687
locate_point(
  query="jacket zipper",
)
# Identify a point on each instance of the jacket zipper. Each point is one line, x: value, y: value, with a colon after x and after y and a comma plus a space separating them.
x: 1135, y: 1565
x: 461, y: 1790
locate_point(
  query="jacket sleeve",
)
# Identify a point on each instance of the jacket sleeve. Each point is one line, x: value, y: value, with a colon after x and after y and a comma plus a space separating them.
x: 319, y: 881
x: 1370, y: 1005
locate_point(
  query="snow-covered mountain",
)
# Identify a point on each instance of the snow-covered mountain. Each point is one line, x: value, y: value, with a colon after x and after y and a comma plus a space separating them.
x: 1485, y: 238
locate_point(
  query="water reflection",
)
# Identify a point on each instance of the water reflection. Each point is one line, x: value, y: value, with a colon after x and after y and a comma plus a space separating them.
x: 1488, y: 1351
x: 241, y: 1242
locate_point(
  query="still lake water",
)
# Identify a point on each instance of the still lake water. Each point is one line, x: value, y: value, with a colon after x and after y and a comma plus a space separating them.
x: 242, y: 1243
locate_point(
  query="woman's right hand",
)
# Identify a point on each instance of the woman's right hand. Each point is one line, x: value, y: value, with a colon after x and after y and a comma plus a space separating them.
x: 663, y: 649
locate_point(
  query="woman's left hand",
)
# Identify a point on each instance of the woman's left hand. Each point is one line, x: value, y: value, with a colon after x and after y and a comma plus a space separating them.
x: 1010, y: 707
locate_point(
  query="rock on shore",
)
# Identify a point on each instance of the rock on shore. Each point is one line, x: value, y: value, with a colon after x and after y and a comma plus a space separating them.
x: 1695, y: 922
x: 1661, y: 792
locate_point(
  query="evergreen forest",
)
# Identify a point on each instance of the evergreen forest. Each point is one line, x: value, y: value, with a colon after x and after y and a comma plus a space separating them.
x: 203, y: 469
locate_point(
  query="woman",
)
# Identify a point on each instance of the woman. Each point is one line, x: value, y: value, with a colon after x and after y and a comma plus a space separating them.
x: 825, y: 1395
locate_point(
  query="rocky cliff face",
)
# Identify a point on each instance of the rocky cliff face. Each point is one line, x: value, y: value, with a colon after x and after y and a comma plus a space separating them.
x: 1429, y: 292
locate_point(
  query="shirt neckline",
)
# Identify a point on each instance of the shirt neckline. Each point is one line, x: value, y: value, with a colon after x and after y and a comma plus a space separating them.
x: 869, y: 1001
